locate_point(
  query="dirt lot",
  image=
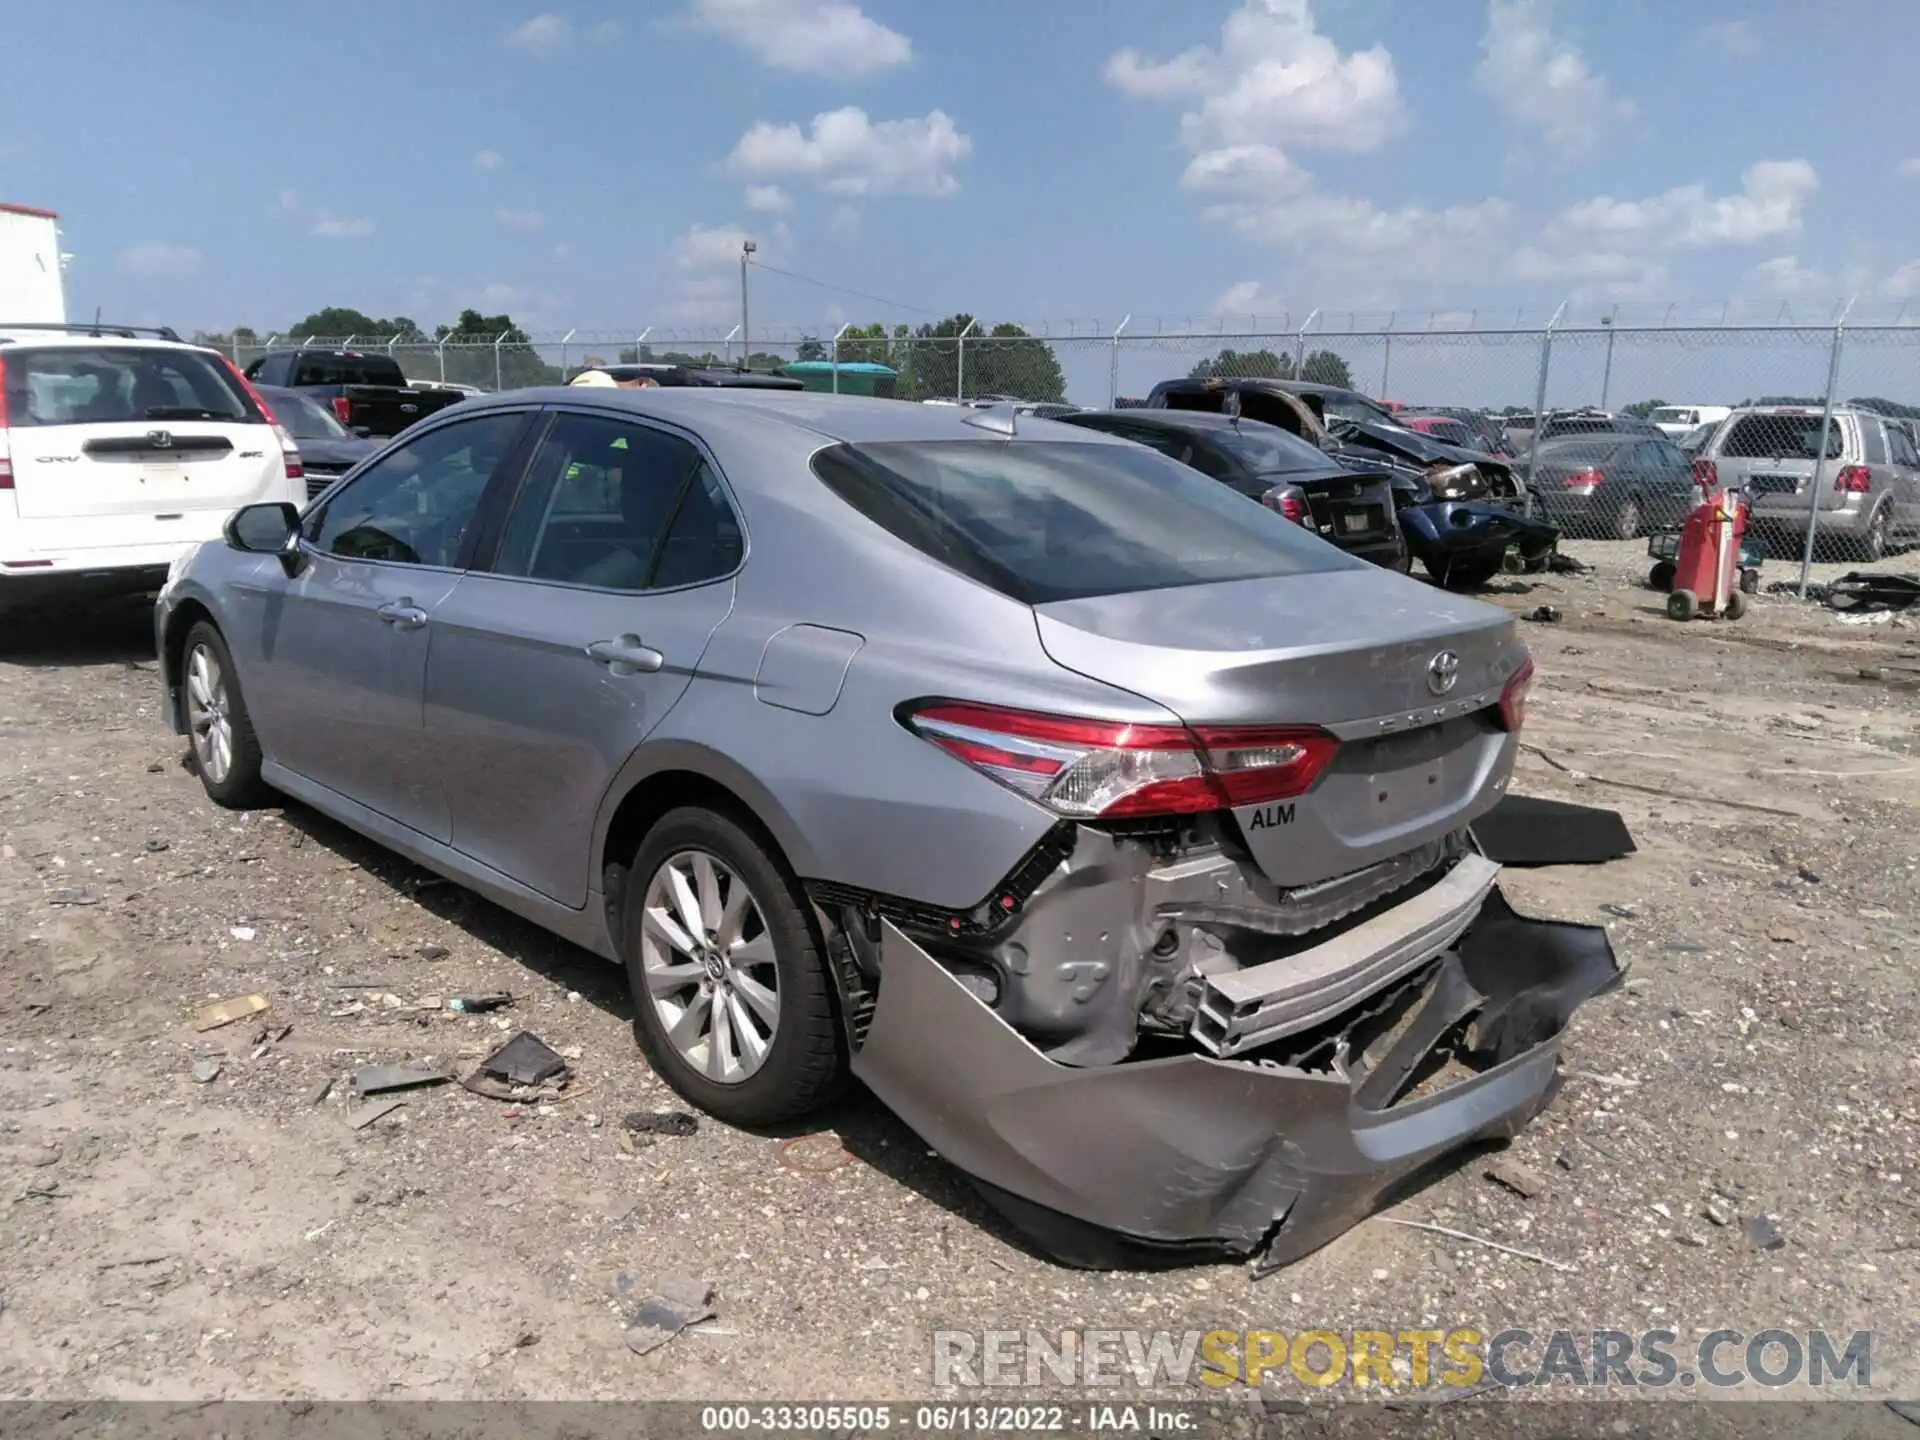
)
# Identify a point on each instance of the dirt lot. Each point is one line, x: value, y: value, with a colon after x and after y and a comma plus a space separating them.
x: 235, y: 1238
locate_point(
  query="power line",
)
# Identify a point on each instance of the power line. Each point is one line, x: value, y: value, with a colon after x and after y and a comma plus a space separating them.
x: 843, y: 290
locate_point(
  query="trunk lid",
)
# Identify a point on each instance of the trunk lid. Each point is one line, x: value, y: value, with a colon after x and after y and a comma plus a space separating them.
x: 1348, y: 651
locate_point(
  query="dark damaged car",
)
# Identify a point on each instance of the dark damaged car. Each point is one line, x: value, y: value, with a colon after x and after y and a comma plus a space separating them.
x: 1113, y: 830
x: 1461, y: 511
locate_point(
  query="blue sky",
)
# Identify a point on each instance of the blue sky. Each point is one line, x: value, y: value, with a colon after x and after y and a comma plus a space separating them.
x: 594, y: 166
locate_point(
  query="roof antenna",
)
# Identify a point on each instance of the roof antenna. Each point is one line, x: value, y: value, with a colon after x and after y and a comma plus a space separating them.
x: 997, y: 418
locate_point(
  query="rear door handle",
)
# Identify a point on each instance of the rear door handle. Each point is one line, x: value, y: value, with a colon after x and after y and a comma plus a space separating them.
x: 402, y: 614
x: 627, y: 655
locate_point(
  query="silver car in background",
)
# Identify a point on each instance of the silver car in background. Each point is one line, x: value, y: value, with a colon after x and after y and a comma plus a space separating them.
x: 1869, y: 490
x: 1107, y: 825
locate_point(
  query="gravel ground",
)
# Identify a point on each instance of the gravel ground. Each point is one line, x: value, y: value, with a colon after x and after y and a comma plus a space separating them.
x: 169, y: 1238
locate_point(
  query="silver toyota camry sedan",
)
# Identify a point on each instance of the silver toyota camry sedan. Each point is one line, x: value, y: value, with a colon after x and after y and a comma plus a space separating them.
x: 1112, y: 829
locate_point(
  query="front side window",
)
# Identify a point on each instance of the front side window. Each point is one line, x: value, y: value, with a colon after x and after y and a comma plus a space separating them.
x: 615, y: 505
x: 416, y: 503
x: 303, y: 419
x: 1044, y: 521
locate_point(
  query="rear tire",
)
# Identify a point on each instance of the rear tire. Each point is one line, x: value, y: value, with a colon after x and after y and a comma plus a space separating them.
x: 226, y: 753
x: 1683, y: 605
x: 1627, y: 522
x: 742, y: 1022
x: 1736, y: 605
x: 1879, y: 527
x: 1660, y: 577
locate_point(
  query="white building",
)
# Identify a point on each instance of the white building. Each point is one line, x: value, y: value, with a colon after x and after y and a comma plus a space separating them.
x: 31, y: 292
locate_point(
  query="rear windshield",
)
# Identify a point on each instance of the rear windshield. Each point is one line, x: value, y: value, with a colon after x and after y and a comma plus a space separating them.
x: 1778, y: 437
x: 1582, y: 427
x: 109, y: 384
x: 1045, y: 521
x: 348, y: 370
x: 304, y: 419
x: 1269, y: 450
x: 1584, y: 451
x: 1672, y: 415
x: 1347, y: 405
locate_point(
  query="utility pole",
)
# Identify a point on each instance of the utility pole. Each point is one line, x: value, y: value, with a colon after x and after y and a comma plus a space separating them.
x: 1606, y: 376
x: 747, y: 247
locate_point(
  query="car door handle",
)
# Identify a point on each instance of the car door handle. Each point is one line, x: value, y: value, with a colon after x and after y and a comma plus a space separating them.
x: 402, y: 614
x: 627, y: 655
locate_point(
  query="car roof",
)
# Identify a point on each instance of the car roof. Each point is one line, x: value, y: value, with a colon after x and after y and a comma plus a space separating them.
x: 852, y: 419
x: 13, y: 339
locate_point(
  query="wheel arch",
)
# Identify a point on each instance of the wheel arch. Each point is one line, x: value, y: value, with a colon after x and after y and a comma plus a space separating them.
x: 660, y: 777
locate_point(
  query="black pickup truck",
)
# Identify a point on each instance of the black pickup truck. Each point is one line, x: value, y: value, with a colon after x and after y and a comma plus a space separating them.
x: 368, y: 394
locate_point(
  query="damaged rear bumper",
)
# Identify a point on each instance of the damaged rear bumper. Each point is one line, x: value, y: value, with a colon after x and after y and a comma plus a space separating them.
x: 1191, y: 1156
x: 1438, y: 528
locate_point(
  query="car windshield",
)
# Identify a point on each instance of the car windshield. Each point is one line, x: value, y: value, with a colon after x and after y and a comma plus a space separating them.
x: 1778, y: 437
x: 303, y: 419
x: 1046, y: 521
x: 1348, y: 405
x: 1269, y: 450
x: 349, y: 369
x: 1671, y: 415
x: 88, y: 385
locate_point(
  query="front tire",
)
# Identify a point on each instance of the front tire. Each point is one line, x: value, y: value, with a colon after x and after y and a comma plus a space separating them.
x: 226, y: 753
x: 1879, y: 526
x: 1463, y: 573
x: 732, y: 1002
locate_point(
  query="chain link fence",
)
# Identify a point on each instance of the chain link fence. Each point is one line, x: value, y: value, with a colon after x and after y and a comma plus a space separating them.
x: 1633, y: 413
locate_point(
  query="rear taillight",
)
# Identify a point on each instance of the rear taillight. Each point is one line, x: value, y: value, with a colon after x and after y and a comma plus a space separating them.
x: 1513, y: 696
x: 1585, y: 481
x: 1853, y: 480
x: 1099, y: 768
x: 1290, y: 501
x: 343, y: 409
x: 290, y: 454
x: 248, y: 386
x: 1706, y: 474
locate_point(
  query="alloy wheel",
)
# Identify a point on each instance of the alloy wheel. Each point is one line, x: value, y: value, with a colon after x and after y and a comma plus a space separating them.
x: 209, y: 720
x: 708, y: 960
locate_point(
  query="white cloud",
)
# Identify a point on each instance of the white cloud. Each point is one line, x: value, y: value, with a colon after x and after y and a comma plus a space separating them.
x: 1734, y: 37
x: 342, y: 227
x: 562, y: 251
x: 542, y: 35
x: 159, y: 257
x: 1904, y: 283
x: 706, y: 300
x: 1243, y: 297
x: 1785, y: 275
x: 488, y: 159
x: 520, y: 219
x: 709, y: 247
x: 505, y: 296
x: 1543, y: 82
x: 1273, y: 81
x: 1258, y: 169
x: 605, y: 33
x: 813, y: 37
x: 769, y: 199
x: 1910, y: 167
x: 1347, y: 233
x: 288, y: 202
x: 848, y: 154
x: 844, y: 222
x: 1772, y: 199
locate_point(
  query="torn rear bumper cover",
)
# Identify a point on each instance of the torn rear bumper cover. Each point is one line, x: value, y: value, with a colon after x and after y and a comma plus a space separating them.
x: 1189, y: 1156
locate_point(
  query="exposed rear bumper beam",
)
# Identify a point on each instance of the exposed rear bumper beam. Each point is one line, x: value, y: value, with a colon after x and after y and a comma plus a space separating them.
x: 1240, y: 1009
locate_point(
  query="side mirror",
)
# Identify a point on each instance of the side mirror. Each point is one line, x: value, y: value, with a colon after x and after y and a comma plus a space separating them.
x: 262, y: 529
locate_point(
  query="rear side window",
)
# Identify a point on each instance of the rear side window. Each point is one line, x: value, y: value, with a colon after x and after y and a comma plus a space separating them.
x: 1047, y: 521
x: 348, y: 370
x: 1875, y: 447
x: 1269, y: 450
x: 76, y: 385
x: 1778, y: 437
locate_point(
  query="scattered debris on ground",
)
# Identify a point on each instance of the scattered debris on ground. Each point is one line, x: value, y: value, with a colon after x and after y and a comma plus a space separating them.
x: 676, y: 1303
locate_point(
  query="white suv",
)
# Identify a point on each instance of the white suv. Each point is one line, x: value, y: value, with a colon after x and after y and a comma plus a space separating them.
x: 119, y: 450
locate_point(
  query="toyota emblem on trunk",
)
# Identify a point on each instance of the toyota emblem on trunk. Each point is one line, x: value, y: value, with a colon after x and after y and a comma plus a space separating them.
x: 1443, y: 672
